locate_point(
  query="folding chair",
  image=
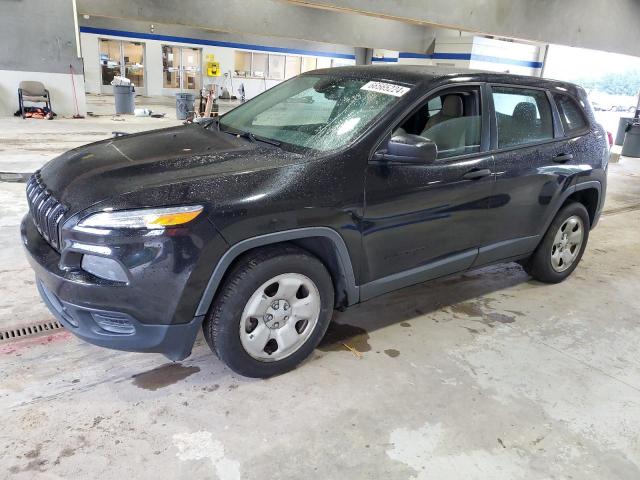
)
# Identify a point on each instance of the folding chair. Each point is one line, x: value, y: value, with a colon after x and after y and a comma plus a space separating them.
x: 31, y: 91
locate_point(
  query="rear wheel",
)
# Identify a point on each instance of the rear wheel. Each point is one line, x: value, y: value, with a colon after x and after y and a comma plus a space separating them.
x: 272, y: 311
x: 562, y: 246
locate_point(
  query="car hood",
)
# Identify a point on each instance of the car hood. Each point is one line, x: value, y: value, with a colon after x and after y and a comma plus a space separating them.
x: 102, y: 170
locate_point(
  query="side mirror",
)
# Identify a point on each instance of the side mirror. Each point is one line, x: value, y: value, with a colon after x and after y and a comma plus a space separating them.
x: 408, y: 148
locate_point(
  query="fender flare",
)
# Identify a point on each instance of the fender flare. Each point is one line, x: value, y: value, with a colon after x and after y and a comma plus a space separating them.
x: 239, y: 248
x: 570, y: 191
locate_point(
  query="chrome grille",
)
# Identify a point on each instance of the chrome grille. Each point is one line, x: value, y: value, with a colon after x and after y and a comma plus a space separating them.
x: 46, y: 211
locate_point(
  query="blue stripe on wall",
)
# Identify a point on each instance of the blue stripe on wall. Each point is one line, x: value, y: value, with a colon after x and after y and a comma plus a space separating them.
x: 384, y: 59
x: 214, y: 43
x: 472, y: 56
x: 414, y: 55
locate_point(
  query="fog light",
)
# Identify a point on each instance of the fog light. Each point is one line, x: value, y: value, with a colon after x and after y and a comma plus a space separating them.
x: 114, y: 322
x: 103, y: 267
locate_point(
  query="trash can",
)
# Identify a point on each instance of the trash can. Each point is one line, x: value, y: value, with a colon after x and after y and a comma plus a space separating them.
x: 622, y: 128
x: 184, y: 105
x: 631, y: 145
x: 124, y: 98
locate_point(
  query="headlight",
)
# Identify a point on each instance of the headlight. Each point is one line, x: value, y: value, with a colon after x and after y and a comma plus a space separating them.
x: 151, y: 218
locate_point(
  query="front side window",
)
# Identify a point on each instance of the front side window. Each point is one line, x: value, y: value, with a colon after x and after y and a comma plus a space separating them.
x: 450, y: 119
x: 320, y: 112
x: 571, y: 114
x: 523, y: 116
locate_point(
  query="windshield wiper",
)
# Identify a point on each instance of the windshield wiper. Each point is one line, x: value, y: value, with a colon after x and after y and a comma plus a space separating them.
x: 264, y: 140
x: 251, y: 137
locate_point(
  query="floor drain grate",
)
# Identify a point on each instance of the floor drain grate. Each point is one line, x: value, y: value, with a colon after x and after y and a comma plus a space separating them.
x: 28, y: 331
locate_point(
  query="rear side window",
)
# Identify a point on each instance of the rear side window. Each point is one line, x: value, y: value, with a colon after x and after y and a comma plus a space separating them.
x: 523, y: 116
x: 571, y: 115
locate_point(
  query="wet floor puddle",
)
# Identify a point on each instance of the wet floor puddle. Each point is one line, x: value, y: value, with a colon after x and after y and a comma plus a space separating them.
x: 163, y: 376
x: 340, y: 334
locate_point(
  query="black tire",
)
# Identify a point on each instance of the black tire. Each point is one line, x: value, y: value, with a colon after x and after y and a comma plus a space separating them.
x: 539, y: 265
x: 222, y: 324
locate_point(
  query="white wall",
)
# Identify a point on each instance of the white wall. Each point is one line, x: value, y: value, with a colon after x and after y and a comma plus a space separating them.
x: 522, y: 52
x: 483, y: 54
x: 153, y: 66
x: 58, y: 84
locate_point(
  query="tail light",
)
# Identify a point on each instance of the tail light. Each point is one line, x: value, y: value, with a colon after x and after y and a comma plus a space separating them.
x: 610, y: 138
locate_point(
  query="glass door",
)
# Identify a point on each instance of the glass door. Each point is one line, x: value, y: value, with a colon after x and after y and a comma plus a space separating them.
x: 181, y: 68
x: 133, y: 61
x: 125, y: 59
x: 171, y: 66
x: 109, y: 60
x: 191, y: 68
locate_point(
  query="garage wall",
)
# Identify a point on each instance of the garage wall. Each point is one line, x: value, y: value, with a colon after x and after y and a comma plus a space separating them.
x: 210, y: 42
x: 38, y: 43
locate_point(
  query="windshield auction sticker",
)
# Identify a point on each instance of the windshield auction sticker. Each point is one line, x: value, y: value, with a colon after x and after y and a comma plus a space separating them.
x: 386, y: 88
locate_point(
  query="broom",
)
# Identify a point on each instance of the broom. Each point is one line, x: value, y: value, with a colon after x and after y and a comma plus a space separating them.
x: 75, y: 98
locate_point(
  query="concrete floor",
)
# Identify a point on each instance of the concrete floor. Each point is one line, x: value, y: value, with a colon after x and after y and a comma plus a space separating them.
x: 19, y: 152
x: 487, y: 375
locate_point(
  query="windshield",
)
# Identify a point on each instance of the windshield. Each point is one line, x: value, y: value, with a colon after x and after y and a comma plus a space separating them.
x: 321, y: 112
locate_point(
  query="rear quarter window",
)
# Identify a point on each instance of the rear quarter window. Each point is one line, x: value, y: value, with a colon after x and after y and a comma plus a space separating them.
x: 571, y: 114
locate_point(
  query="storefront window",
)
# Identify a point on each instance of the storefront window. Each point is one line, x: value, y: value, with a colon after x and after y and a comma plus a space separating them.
x: 259, y: 65
x: 276, y: 67
x: 242, y: 64
x: 323, y: 62
x: 308, y: 63
x: 292, y: 67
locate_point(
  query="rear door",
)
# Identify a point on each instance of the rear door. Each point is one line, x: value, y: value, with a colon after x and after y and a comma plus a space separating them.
x: 532, y: 168
x: 425, y: 221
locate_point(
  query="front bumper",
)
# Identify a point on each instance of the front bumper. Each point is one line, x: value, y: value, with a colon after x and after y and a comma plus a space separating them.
x: 121, y: 331
x: 152, y: 312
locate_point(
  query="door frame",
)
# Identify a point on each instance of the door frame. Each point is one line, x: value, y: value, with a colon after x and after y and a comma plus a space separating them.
x: 485, y: 132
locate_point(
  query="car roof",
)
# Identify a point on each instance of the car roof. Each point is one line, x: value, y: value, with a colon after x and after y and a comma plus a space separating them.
x: 423, y: 74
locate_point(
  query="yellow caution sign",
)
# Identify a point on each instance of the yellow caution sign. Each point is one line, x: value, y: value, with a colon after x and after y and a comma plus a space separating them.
x: 213, y: 69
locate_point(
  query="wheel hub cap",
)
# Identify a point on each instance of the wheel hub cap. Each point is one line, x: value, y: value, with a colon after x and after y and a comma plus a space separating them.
x: 278, y: 314
x: 567, y: 243
x: 280, y: 317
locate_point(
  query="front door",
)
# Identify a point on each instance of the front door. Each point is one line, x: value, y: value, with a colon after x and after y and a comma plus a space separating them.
x: 425, y: 221
x: 181, y: 69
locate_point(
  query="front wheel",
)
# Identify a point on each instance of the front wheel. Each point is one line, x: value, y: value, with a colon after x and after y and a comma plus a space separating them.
x: 272, y: 311
x: 562, y: 246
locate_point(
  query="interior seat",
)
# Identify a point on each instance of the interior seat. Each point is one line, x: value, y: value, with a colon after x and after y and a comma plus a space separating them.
x: 523, y: 123
x: 452, y: 107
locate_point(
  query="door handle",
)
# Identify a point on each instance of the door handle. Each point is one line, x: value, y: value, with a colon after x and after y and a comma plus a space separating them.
x: 563, y: 157
x: 476, y: 174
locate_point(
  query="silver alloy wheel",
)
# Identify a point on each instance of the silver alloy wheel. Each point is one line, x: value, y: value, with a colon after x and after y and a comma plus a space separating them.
x: 567, y: 243
x: 280, y: 317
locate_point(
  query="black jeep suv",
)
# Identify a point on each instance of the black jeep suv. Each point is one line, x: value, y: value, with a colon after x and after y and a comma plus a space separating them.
x: 329, y: 189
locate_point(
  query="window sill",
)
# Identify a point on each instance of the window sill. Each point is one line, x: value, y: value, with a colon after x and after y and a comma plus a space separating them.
x: 258, y: 78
